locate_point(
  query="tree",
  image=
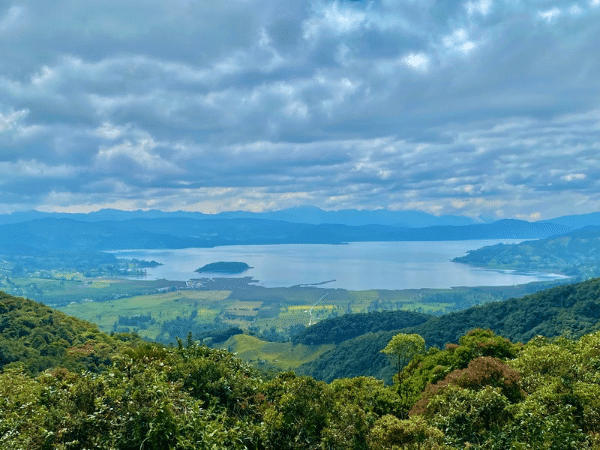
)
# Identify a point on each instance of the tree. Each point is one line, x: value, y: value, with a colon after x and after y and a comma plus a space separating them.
x: 405, y: 347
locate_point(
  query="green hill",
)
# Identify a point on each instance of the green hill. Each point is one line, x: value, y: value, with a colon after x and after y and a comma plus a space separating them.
x: 279, y: 355
x: 571, y: 310
x: 338, y: 329
x: 39, y: 338
x: 484, y: 393
x: 360, y: 356
x: 576, y: 253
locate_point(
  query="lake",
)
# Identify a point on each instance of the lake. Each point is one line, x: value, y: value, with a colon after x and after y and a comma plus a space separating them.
x: 353, y: 266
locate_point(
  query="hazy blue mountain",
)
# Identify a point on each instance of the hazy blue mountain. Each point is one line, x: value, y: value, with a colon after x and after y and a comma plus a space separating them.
x: 354, y: 217
x: 310, y: 215
x: 304, y: 214
x: 116, y: 215
x: 186, y: 232
x: 176, y: 232
x: 578, y: 220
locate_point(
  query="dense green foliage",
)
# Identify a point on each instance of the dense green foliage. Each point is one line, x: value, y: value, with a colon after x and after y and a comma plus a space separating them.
x: 485, y: 392
x: 576, y: 253
x: 36, y: 338
x: 224, y: 267
x: 570, y: 310
x: 191, y: 397
x: 402, y: 348
x: 360, y: 356
x: 348, y: 326
x: 543, y: 396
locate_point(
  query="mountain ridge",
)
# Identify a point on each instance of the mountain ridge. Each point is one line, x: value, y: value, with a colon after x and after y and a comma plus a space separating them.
x: 572, y: 310
x: 67, y: 233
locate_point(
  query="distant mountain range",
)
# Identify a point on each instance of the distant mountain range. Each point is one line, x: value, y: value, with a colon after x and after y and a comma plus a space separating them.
x: 308, y: 215
x: 57, y: 235
x: 305, y: 214
x: 49, y: 234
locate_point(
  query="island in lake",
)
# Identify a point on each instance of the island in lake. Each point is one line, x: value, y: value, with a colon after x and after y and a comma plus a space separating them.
x: 230, y: 267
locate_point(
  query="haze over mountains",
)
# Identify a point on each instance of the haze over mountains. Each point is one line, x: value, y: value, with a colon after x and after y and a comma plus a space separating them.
x: 306, y: 214
x: 114, y: 229
x: 310, y: 215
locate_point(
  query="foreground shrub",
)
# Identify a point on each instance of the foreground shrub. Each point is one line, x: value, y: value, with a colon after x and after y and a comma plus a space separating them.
x: 391, y: 433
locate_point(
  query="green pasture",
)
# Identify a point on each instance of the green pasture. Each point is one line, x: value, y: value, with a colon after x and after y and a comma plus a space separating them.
x: 162, y: 307
x: 282, y: 355
x: 103, y: 300
x: 296, y: 306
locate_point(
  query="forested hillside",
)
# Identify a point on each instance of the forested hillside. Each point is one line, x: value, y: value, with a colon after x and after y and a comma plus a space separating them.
x: 348, y: 326
x: 360, y: 356
x: 481, y: 392
x: 36, y: 338
x: 569, y: 310
x: 576, y: 253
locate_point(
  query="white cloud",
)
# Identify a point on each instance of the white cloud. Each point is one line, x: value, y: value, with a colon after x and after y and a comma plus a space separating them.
x: 419, y: 61
x: 459, y: 42
x: 550, y: 14
x: 333, y: 17
x: 576, y: 10
x: 574, y: 177
x: 297, y: 110
x: 109, y: 131
x: 9, y: 121
x: 482, y: 7
x: 22, y: 170
x: 42, y: 76
x: 117, y: 158
x: 532, y: 217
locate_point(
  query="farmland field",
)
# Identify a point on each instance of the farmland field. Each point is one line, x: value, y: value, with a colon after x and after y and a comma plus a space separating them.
x: 176, y: 310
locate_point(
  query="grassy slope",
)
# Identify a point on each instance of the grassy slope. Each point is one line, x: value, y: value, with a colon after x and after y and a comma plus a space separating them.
x: 281, y: 355
x: 162, y: 307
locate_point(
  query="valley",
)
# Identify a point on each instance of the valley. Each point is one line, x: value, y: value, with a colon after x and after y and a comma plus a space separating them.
x: 220, y: 353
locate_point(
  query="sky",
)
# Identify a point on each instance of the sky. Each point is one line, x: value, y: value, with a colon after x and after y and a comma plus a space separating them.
x: 478, y: 107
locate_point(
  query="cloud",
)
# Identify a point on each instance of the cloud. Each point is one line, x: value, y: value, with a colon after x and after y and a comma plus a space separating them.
x: 418, y: 61
x: 550, y: 15
x: 10, y: 21
x: 472, y: 107
x: 482, y: 7
x: 9, y: 121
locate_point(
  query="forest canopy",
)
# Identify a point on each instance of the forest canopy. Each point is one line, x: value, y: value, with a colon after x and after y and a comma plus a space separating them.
x: 481, y: 391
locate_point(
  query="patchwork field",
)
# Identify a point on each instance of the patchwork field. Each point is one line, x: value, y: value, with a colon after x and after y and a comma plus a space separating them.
x: 163, y: 309
x: 157, y: 308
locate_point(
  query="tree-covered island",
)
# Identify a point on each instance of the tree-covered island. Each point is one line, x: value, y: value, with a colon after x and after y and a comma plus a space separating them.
x: 229, y: 267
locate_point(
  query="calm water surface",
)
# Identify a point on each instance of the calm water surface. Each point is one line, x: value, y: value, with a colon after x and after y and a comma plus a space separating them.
x: 354, y: 266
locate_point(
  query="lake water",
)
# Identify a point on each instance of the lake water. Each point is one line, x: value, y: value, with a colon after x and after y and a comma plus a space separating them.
x: 354, y: 266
